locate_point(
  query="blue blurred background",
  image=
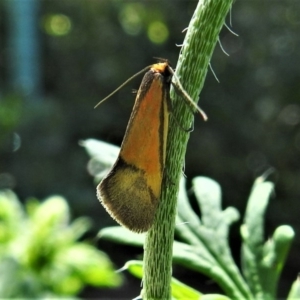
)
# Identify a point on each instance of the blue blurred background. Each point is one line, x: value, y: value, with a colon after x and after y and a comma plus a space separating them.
x: 59, y: 58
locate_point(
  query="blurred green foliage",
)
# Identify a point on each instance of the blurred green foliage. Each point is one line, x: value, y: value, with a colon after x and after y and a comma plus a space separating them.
x: 204, y: 242
x: 40, y: 255
x: 180, y: 291
x: 10, y: 115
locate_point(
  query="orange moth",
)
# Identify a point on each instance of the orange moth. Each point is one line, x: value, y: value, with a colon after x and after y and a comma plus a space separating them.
x: 131, y: 190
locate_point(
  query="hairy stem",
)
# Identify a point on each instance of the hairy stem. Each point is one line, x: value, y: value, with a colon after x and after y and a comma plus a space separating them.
x: 195, y: 55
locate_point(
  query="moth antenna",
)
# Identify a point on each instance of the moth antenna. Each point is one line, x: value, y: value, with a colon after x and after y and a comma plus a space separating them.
x: 122, y: 85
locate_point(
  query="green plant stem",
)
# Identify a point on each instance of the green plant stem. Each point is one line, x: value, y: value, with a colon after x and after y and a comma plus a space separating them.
x: 199, y: 43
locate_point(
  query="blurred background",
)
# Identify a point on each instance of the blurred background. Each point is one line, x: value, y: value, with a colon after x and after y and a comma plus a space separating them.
x: 59, y: 58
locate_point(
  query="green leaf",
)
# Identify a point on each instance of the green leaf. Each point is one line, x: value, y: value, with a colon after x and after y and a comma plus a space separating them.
x: 180, y: 291
x: 214, y: 297
x: 294, y: 293
x: 253, y: 228
x: 262, y: 263
x: 105, y: 152
x: 274, y: 255
x: 205, y: 248
x: 209, y: 252
x: 103, y: 156
x: 208, y: 195
x: 122, y: 235
x: 88, y: 265
x: 252, y: 232
x: 42, y: 257
x: 134, y: 267
x: 11, y: 217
